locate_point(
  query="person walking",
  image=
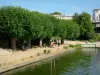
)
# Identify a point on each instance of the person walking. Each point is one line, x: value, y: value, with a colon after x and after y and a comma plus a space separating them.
x: 86, y: 41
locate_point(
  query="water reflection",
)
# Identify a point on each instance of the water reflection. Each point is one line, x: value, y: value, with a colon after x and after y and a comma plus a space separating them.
x: 80, y: 62
x: 89, y: 51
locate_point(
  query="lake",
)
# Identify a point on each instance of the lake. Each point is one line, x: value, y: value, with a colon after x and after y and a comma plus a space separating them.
x: 79, y: 62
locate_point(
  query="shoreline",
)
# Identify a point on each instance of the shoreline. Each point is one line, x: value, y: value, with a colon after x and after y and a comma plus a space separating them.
x: 32, y: 59
x: 23, y: 58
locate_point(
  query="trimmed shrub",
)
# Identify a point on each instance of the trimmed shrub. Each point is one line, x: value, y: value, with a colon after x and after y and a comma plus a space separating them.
x: 71, y: 45
x: 65, y: 47
x: 78, y: 46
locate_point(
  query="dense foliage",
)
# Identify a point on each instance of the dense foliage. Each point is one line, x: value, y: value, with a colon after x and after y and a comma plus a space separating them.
x: 86, y: 26
x: 17, y: 24
x: 14, y: 23
x: 56, y: 13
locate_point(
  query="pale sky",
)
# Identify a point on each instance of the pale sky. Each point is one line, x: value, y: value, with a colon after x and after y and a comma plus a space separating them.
x: 67, y: 7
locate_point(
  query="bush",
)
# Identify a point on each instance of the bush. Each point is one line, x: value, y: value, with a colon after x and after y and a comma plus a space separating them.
x: 65, y: 47
x: 91, y: 40
x: 31, y: 56
x: 0, y: 65
x: 71, y: 45
x: 96, y: 37
x: 49, y: 51
x: 78, y: 46
x: 44, y: 51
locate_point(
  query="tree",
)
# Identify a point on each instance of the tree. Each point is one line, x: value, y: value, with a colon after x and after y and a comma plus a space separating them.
x: 46, y: 27
x: 19, y: 23
x: 67, y: 29
x: 73, y: 30
x: 56, y: 13
x: 86, y: 27
x: 62, y: 30
x: 42, y: 26
x: 14, y: 23
x: 76, y: 17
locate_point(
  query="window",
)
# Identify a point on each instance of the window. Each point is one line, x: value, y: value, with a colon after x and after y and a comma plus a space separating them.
x: 97, y: 25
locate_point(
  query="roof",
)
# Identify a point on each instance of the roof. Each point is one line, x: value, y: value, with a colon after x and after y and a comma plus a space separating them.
x: 96, y: 9
x: 62, y: 16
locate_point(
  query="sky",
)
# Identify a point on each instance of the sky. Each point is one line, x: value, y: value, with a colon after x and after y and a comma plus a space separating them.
x: 66, y: 7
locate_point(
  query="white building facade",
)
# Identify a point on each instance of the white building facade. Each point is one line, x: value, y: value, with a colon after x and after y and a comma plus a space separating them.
x: 96, y: 19
x: 64, y: 17
x: 96, y: 15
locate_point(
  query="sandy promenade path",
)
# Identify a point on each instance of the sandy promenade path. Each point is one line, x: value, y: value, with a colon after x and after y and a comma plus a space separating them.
x: 74, y: 42
x: 14, y: 56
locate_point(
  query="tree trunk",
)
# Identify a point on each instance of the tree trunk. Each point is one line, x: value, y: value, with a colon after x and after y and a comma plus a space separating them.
x: 40, y: 42
x: 9, y: 43
x: 29, y: 43
x: 13, y: 43
x: 62, y: 41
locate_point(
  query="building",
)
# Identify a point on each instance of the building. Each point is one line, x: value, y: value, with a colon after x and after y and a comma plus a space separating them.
x: 96, y: 19
x: 64, y: 17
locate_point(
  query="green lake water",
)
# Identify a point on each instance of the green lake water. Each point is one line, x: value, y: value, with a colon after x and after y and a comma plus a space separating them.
x: 79, y: 62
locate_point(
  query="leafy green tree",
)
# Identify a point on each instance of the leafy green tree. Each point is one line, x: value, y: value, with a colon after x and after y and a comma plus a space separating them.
x: 86, y: 27
x: 46, y: 27
x: 19, y: 23
x: 14, y: 23
x: 56, y: 26
x: 62, y: 30
x: 42, y: 26
x: 67, y: 29
x: 56, y: 13
x: 76, y: 17
x: 73, y: 30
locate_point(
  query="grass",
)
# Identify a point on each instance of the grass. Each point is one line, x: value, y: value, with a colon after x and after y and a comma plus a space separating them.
x: 91, y: 40
x: 65, y: 47
x: 71, y: 45
x: 78, y: 46
x: 47, y: 51
x: 0, y: 65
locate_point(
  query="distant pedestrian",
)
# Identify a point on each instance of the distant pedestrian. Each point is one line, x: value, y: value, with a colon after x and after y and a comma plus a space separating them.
x: 58, y: 43
x: 52, y: 44
x: 86, y: 41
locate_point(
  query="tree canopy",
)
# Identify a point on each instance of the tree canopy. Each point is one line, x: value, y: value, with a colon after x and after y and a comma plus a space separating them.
x: 86, y: 27
x: 19, y: 23
x: 14, y: 22
x: 56, y: 13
